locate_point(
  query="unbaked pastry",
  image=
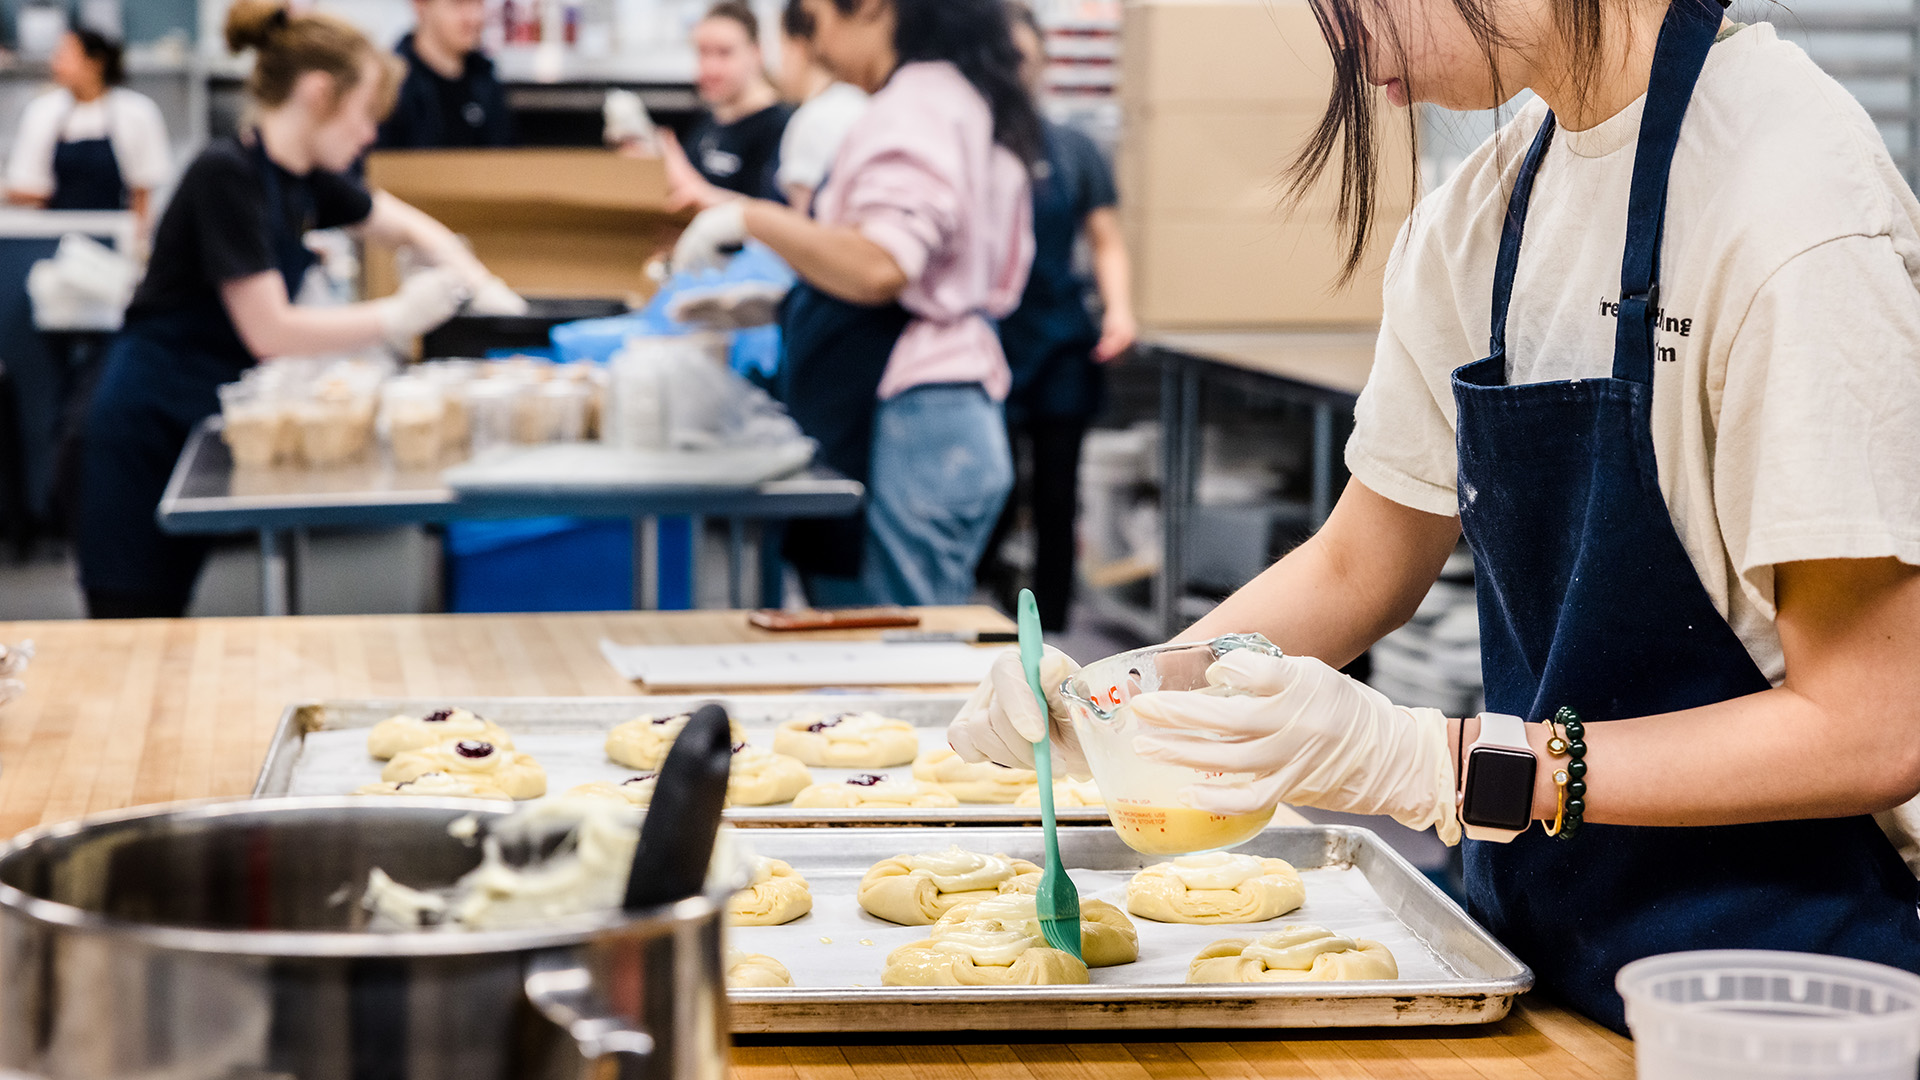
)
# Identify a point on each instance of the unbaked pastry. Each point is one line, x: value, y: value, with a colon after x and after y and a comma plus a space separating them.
x: 512, y: 772
x: 974, y: 781
x: 754, y: 971
x: 776, y: 895
x: 643, y: 742
x: 874, y: 791
x: 437, y: 785
x: 1218, y: 887
x: 915, y: 890
x: 398, y: 734
x: 1107, y: 936
x: 758, y: 778
x: 633, y: 791
x: 1292, y: 954
x: 986, y: 949
x: 1068, y: 792
x: 848, y: 741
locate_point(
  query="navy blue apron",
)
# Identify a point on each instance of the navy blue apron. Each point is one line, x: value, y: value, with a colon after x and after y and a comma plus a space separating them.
x: 1588, y: 599
x: 1049, y: 339
x: 833, y: 355
x: 159, y: 381
x: 86, y: 176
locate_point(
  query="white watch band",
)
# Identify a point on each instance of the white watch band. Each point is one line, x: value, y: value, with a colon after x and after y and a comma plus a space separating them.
x: 1498, y: 731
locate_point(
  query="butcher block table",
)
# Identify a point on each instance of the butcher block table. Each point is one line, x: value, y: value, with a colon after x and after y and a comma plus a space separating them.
x: 120, y: 714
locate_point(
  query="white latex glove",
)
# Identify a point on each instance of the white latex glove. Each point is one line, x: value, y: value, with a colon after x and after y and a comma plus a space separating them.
x: 491, y: 296
x: 425, y: 300
x: 1310, y: 735
x: 711, y: 238
x: 1001, y: 721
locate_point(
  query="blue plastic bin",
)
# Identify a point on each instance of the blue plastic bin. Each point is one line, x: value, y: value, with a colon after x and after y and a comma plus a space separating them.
x: 539, y: 564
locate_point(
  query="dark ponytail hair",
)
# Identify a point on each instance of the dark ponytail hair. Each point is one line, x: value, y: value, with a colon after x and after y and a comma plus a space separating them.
x: 974, y: 36
x: 105, y: 52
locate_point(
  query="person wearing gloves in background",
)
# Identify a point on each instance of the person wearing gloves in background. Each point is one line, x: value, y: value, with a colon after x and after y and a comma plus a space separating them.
x: 227, y: 260
x: 1053, y: 345
x: 90, y: 144
x: 826, y: 110
x: 920, y: 238
x: 451, y: 97
x: 1687, y: 470
x: 735, y: 145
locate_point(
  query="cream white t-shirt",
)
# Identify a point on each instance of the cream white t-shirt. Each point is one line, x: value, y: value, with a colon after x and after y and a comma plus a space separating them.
x: 815, y: 132
x: 126, y: 118
x: 1786, y: 405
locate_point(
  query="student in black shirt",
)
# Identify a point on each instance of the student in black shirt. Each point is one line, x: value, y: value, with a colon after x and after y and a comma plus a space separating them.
x: 735, y: 145
x: 451, y: 96
x: 227, y: 258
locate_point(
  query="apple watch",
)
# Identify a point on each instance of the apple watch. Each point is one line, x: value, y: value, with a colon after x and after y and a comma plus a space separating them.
x: 1496, y: 795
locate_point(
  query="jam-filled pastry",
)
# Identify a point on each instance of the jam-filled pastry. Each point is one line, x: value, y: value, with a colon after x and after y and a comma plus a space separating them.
x: 398, y: 734
x: 915, y: 890
x: 973, y: 781
x: 755, y: 971
x: 643, y: 742
x: 437, y: 785
x: 848, y: 741
x: 984, y: 949
x: 1293, y: 954
x: 1067, y: 792
x: 758, y: 778
x: 512, y: 772
x: 1107, y: 936
x: 776, y: 895
x: 873, y: 791
x: 1216, y: 888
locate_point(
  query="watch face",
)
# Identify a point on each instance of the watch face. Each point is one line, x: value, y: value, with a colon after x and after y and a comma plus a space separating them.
x: 1499, y: 789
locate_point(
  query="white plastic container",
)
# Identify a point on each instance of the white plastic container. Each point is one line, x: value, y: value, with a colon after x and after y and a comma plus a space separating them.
x: 1143, y: 797
x: 1757, y: 1015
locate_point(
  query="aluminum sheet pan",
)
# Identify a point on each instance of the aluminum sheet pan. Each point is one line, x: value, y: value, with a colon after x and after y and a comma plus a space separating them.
x: 320, y: 748
x: 1451, y: 970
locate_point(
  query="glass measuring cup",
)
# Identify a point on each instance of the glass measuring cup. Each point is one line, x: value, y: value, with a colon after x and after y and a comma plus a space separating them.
x: 1143, y: 797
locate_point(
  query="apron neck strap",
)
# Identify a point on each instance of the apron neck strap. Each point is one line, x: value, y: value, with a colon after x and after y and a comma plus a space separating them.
x: 1685, y: 36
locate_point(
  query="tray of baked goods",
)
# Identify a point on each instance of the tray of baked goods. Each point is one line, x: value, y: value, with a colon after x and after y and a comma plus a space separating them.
x: 800, y: 759
x: 920, y: 929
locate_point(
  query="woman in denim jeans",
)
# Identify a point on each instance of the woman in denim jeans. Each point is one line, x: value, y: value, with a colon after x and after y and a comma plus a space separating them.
x: 919, y: 239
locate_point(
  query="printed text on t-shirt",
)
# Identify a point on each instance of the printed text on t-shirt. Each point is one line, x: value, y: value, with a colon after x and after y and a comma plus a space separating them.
x: 1662, y: 323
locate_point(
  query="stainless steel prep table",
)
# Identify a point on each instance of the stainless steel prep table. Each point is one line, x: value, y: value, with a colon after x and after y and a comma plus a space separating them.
x: 207, y: 496
x: 1321, y: 369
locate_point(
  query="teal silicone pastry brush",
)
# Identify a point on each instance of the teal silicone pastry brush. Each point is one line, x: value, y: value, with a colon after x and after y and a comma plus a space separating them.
x: 1058, y: 901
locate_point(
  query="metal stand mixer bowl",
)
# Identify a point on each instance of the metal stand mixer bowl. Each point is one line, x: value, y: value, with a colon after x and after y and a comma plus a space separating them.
x: 226, y: 941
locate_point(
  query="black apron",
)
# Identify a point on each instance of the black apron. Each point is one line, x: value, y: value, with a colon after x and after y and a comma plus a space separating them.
x: 1588, y: 599
x: 160, y: 380
x: 834, y: 354
x: 86, y: 176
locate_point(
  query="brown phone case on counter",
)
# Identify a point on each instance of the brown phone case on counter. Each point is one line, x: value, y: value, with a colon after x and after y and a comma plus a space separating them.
x: 834, y: 619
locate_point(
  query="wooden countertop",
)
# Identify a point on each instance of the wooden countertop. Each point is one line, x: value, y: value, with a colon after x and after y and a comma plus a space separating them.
x: 1335, y: 359
x: 125, y: 713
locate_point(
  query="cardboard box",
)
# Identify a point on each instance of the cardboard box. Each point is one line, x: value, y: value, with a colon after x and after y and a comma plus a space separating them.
x: 1250, y: 271
x: 549, y: 222
x: 1196, y: 51
x: 1233, y: 158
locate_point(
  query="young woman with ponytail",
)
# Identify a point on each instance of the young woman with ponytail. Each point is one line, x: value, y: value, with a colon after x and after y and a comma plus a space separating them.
x: 228, y: 259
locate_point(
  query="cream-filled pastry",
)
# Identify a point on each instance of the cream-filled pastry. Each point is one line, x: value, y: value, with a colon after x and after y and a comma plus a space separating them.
x: 776, y: 895
x: 915, y: 890
x: 755, y: 971
x: 1068, y: 792
x: 973, y: 781
x: 398, y: 734
x: 1218, y: 887
x: 874, y: 791
x: 633, y: 791
x: 1293, y: 954
x: 512, y: 772
x: 848, y: 741
x: 1107, y: 936
x: 986, y: 948
x: 437, y: 785
x: 643, y: 742
x: 758, y: 778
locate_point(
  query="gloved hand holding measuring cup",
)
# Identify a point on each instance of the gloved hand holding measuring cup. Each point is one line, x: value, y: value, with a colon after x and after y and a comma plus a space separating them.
x: 1000, y: 722
x: 1308, y: 735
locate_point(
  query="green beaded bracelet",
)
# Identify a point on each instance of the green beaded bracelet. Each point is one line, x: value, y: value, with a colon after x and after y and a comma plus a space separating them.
x: 1575, y: 747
